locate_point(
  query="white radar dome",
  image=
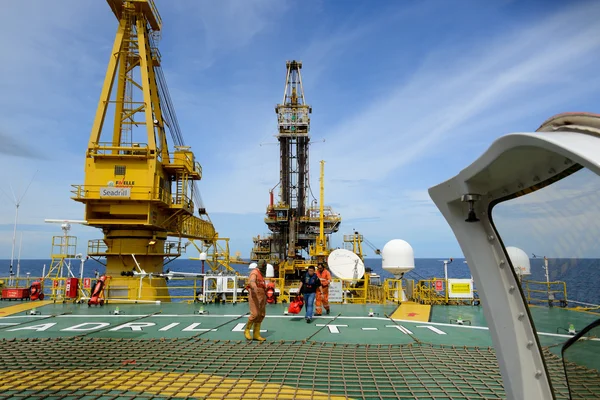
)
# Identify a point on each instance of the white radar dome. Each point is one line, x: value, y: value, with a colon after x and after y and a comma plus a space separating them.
x: 252, y: 266
x: 520, y: 260
x: 398, y: 257
x: 270, y: 271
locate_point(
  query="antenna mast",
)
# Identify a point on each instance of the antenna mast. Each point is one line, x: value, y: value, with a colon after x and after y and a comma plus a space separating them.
x: 17, y: 203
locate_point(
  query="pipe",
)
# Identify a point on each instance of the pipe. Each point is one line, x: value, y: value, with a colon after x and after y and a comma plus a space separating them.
x: 321, y: 249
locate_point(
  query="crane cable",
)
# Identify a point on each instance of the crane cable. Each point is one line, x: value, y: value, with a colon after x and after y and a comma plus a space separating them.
x: 171, y: 122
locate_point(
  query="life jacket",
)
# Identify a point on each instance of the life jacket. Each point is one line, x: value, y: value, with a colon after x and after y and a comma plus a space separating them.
x: 310, y: 281
x: 325, y: 277
x: 271, y: 293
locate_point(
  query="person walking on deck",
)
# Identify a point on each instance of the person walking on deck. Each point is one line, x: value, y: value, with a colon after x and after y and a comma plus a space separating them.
x: 257, y: 298
x: 322, y: 300
x: 310, y: 284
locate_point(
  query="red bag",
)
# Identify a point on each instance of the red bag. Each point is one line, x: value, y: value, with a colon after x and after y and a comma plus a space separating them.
x: 271, y: 293
x: 296, y: 305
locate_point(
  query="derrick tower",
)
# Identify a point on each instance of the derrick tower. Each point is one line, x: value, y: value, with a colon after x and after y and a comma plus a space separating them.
x: 293, y: 223
x: 136, y: 189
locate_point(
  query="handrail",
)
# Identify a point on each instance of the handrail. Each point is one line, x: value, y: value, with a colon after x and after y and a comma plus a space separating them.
x: 109, y: 148
x: 549, y: 288
x: 98, y: 246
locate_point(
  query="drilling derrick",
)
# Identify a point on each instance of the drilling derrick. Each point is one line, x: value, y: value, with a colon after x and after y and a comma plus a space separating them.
x: 295, y: 225
x: 136, y: 189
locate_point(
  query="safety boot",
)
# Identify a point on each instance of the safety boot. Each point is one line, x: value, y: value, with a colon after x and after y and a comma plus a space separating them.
x: 247, y: 331
x: 257, y: 333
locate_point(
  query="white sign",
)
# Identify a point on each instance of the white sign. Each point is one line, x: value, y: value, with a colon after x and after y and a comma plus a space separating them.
x: 335, y: 292
x: 115, y: 192
x: 460, y: 289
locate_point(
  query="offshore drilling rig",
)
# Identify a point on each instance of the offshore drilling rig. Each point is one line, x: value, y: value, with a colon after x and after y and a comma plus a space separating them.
x: 299, y: 236
x: 136, y: 189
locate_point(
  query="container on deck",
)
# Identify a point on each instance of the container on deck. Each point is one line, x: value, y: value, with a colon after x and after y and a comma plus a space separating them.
x: 15, y: 294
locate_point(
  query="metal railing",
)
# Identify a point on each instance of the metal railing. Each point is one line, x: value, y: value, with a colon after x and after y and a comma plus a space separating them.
x: 109, y: 149
x: 546, y: 292
x: 179, y: 289
x: 133, y: 193
x: 196, y: 227
x: 99, y: 247
x: 53, y: 288
x: 183, y: 200
x: 190, y: 289
x: 435, y: 291
x: 393, y: 289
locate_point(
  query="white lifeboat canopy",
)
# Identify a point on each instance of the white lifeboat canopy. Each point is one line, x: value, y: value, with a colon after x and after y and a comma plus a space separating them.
x: 520, y: 260
x: 252, y: 266
x: 398, y: 257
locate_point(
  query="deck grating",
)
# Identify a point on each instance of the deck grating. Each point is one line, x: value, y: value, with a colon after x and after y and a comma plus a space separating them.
x: 180, y: 368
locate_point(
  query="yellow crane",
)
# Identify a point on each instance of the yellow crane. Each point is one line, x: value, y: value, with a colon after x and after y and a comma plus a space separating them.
x: 321, y: 248
x: 136, y: 189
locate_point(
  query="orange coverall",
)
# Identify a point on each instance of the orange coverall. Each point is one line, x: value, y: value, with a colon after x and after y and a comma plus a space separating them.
x: 322, y: 297
x: 257, y: 297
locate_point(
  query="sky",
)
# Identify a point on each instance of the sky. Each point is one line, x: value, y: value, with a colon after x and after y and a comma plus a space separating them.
x: 404, y: 96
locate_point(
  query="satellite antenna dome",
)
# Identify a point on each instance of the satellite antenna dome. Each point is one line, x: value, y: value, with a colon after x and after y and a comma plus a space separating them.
x: 270, y: 271
x: 398, y: 257
x: 252, y: 266
x: 344, y: 264
x: 520, y: 260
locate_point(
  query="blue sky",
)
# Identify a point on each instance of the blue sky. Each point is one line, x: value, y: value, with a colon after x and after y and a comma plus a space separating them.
x: 404, y: 95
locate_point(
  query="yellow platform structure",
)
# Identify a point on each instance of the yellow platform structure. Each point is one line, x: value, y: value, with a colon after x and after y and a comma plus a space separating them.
x: 140, y: 177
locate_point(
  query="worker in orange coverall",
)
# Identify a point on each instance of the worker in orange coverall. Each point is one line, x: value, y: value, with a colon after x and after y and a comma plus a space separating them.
x: 257, y: 298
x: 323, y: 291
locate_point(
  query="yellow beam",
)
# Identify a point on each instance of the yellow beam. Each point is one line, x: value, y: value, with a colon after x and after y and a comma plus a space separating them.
x: 321, y: 217
x: 109, y: 79
x: 145, y: 65
x: 121, y: 84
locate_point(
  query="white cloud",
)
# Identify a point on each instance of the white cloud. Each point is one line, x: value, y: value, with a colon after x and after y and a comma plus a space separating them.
x: 226, y: 25
x: 450, y: 92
